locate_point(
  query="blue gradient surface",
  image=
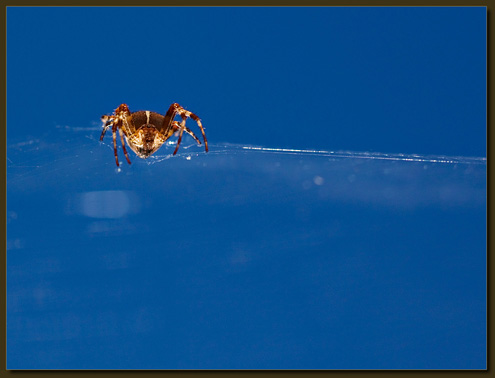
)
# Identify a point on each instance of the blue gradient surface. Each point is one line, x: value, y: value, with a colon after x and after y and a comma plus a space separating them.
x: 353, y: 237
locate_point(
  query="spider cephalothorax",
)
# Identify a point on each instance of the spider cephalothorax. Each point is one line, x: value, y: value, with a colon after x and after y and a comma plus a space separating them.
x: 146, y: 131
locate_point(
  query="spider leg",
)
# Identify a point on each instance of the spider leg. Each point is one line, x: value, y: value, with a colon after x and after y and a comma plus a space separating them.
x: 116, y: 122
x: 177, y: 109
x: 123, y: 145
x: 176, y: 127
x: 107, y: 123
x: 198, y: 121
x: 182, y: 127
x: 114, y: 133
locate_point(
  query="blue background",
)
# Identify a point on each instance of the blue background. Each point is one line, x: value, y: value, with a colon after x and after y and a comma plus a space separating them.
x: 245, y: 258
x: 405, y: 80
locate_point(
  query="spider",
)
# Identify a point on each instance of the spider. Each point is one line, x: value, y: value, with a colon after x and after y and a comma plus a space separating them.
x: 146, y: 131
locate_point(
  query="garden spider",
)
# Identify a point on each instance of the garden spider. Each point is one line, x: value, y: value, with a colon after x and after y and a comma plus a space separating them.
x: 146, y: 131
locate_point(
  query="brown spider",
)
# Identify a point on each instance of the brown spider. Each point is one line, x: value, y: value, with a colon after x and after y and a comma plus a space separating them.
x: 146, y: 131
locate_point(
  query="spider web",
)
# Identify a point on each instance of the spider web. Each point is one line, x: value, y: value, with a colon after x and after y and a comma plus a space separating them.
x: 69, y: 168
x: 397, y: 179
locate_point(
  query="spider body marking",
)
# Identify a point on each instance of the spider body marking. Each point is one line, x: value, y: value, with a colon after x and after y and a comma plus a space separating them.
x: 146, y: 131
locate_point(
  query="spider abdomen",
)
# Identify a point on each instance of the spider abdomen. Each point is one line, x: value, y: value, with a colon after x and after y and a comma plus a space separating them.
x: 144, y: 117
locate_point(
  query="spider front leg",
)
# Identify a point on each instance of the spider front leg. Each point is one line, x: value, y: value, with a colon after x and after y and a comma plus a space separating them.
x: 168, y: 120
x: 107, y: 120
x: 176, y: 127
x: 123, y: 146
x: 114, y: 135
x: 198, y: 121
x: 181, y: 128
x: 114, y: 122
x: 116, y: 127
